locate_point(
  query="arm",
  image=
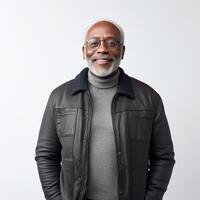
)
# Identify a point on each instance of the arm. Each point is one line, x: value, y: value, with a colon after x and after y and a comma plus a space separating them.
x: 161, y: 155
x: 48, y: 157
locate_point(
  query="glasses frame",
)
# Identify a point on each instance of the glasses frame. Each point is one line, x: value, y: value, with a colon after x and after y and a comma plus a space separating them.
x: 100, y: 40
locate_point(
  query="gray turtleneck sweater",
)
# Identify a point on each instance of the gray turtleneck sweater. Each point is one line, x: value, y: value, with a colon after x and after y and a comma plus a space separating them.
x: 103, y: 172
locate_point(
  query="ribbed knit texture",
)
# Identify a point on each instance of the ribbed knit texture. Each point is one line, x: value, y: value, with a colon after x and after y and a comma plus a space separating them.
x: 103, y: 172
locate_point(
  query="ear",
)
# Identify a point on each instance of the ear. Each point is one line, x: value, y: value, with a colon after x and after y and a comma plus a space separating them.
x: 83, y: 51
x: 123, y: 50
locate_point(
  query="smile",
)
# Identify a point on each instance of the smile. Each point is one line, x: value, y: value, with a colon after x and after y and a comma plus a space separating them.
x: 102, y: 61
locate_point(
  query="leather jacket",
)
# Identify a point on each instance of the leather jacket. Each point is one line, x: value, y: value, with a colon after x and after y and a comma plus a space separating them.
x: 144, y: 146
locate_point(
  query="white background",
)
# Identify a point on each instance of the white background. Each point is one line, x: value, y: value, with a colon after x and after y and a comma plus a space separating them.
x: 40, y: 48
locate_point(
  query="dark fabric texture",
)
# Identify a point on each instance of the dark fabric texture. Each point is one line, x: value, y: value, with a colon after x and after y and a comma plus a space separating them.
x: 145, y: 154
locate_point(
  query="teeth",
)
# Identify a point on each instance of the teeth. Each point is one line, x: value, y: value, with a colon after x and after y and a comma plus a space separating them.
x: 102, y: 61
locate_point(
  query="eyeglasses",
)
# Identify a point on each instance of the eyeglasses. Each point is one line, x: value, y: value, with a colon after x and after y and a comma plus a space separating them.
x: 94, y: 43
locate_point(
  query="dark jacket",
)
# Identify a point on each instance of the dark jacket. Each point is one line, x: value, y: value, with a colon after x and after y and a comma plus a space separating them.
x: 143, y: 141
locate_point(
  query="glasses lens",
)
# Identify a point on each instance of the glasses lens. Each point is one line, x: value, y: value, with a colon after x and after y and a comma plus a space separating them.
x: 111, y: 43
x: 93, y: 43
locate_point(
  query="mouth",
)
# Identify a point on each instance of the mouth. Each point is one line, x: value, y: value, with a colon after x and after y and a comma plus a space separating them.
x: 102, y: 61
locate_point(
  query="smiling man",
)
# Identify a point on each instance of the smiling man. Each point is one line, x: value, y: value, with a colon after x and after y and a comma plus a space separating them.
x: 104, y: 135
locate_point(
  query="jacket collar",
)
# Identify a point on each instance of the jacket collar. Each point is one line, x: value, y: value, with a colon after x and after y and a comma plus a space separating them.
x: 80, y: 83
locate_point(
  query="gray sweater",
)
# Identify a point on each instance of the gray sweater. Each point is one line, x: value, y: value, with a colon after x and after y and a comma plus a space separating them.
x: 103, y: 172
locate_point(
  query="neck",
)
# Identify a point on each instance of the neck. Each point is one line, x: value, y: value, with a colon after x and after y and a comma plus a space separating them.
x: 108, y: 81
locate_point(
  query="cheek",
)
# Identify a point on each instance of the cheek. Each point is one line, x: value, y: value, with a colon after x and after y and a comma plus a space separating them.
x: 117, y: 54
x: 88, y: 53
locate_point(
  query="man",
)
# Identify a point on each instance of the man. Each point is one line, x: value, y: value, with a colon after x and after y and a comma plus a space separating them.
x: 104, y: 135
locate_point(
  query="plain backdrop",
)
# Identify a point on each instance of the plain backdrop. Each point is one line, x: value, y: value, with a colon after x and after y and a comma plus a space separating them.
x: 40, y: 48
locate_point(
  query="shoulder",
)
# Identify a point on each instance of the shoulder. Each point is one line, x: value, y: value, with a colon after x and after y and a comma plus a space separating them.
x: 60, y: 91
x: 145, y: 92
x: 139, y: 85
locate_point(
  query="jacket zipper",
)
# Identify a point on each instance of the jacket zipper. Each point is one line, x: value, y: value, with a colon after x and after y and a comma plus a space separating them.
x: 117, y: 148
x: 90, y: 112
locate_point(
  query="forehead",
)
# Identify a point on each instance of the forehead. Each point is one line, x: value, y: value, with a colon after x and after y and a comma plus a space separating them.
x: 103, y: 30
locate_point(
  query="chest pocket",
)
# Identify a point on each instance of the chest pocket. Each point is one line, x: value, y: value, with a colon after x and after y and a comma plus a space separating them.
x: 140, y: 124
x: 65, y: 121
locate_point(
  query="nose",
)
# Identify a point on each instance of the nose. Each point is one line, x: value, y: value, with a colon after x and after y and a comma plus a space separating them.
x: 102, y: 47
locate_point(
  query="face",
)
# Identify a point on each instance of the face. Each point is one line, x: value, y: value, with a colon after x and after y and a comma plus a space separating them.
x: 103, y: 60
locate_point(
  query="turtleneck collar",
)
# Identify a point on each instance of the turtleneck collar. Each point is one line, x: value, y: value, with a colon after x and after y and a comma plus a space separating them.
x: 108, y: 81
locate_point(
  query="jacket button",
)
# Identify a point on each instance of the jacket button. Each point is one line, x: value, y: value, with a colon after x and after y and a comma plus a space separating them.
x: 119, y: 153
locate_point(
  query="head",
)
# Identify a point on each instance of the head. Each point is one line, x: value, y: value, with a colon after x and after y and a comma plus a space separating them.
x: 104, y: 47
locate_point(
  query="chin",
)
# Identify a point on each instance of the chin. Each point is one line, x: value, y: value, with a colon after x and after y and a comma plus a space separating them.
x: 102, y: 70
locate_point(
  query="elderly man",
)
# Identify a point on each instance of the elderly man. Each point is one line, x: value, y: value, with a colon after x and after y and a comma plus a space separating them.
x: 104, y: 135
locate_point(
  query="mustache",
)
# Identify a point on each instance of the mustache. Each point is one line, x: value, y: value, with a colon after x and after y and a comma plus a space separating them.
x: 103, y: 57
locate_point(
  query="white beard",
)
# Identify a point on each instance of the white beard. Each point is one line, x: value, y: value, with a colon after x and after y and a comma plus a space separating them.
x: 101, y: 71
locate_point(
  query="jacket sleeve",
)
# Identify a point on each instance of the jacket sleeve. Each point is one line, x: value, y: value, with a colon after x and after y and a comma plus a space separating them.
x: 47, y: 156
x: 161, y: 155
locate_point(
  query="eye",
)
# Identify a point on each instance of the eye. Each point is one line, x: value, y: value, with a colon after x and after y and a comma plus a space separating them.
x: 111, y: 43
x: 93, y: 43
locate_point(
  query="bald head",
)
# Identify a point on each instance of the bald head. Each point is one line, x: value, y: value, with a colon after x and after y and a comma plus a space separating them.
x: 109, y: 25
